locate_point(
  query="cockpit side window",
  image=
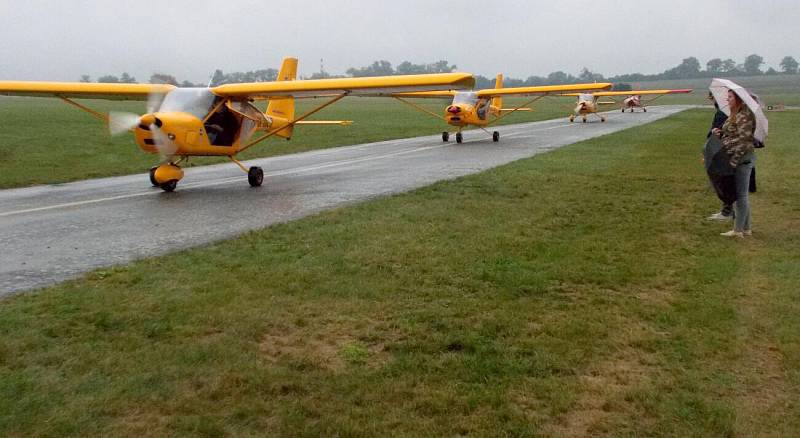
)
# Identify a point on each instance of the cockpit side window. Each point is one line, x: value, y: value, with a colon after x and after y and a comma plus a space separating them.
x: 222, y: 126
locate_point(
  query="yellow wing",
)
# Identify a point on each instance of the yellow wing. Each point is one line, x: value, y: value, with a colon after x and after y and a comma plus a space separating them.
x: 369, y: 86
x: 641, y: 92
x: 83, y: 90
x: 541, y: 90
x: 634, y: 92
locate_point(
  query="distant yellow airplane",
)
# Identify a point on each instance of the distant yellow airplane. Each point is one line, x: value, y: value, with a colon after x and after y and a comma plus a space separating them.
x: 588, y: 103
x: 221, y: 121
x: 482, y: 108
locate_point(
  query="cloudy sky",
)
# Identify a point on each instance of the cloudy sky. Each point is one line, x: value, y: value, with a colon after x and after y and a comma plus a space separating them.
x: 61, y: 40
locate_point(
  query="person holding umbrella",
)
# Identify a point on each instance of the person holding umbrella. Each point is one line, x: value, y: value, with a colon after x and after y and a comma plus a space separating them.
x: 745, y: 124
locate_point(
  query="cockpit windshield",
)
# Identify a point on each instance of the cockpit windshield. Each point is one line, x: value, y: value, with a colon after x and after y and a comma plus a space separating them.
x: 586, y: 97
x: 195, y: 101
x: 466, y: 98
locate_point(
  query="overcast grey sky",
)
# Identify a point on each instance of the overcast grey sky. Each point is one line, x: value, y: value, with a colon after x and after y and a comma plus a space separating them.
x: 60, y: 40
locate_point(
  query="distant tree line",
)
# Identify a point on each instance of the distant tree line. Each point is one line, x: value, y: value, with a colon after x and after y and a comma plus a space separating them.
x: 689, y: 68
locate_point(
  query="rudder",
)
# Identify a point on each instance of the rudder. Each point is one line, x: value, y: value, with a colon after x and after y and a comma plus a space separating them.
x: 282, y: 110
x: 497, y: 101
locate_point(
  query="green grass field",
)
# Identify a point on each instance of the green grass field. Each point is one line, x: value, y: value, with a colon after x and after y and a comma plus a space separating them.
x: 580, y: 292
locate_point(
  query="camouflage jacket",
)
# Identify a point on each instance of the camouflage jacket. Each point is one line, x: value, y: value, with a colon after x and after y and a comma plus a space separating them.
x: 737, y: 135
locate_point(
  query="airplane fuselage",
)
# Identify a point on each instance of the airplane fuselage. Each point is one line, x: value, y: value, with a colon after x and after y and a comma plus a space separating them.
x: 467, y: 109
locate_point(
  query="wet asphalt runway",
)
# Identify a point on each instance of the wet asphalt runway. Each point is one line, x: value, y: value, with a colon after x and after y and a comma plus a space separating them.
x: 56, y: 232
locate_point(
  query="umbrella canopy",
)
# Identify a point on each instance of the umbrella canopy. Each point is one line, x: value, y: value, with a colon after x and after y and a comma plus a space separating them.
x: 719, y: 88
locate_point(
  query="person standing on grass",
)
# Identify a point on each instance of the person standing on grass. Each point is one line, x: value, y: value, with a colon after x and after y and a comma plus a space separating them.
x: 737, y: 141
x: 723, y: 185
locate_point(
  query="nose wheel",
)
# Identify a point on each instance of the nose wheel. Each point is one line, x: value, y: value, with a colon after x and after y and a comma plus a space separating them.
x: 153, y: 176
x: 166, y: 176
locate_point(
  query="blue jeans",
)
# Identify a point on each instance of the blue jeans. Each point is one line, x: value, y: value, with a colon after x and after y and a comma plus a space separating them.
x: 742, y: 205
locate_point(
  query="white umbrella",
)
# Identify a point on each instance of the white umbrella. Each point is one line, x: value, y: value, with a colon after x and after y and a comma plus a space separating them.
x: 719, y: 88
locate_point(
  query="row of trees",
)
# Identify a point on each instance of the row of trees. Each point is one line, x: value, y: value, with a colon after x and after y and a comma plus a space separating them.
x: 689, y: 68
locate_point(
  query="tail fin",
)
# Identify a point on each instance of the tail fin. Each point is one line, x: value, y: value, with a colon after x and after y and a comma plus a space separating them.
x: 282, y: 110
x: 497, y: 102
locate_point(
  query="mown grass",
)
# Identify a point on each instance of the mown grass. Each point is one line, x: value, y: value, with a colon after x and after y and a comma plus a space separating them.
x: 579, y: 292
x: 45, y: 141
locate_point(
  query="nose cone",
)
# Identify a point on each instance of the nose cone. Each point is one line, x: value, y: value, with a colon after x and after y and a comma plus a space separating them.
x: 453, y: 109
x: 149, y: 119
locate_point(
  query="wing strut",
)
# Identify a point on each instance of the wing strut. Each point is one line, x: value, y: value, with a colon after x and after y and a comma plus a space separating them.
x: 517, y: 108
x: 94, y: 113
x: 415, y: 106
x: 308, y: 114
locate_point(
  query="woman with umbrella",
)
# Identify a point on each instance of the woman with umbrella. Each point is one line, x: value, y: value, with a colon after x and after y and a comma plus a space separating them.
x: 745, y: 124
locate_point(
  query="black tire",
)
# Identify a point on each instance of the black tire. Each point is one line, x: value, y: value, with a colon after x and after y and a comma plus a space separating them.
x: 623, y: 110
x: 153, y: 176
x: 584, y: 120
x: 445, y: 136
x: 644, y: 109
x: 495, y: 136
x: 255, y: 176
x: 459, y: 138
x: 169, y: 186
x: 602, y: 119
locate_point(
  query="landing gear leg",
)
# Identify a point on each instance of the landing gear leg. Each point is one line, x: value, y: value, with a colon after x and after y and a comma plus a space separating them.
x: 445, y: 136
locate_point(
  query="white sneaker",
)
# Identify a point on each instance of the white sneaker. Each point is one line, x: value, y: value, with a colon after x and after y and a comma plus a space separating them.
x: 747, y: 232
x: 732, y: 233
x: 718, y: 216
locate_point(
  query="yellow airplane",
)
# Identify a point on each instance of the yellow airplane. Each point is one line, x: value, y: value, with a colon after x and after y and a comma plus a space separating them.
x: 482, y: 108
x: 222, y: 121
x: 588, y: 103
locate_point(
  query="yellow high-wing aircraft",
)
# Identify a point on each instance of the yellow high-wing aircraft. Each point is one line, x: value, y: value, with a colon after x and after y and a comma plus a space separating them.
x: 482, y: 108
x: 588, y: 103
x: 221, y: 121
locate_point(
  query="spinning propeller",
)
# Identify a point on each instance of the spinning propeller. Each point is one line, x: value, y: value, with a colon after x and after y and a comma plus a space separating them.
x: 120, y: 122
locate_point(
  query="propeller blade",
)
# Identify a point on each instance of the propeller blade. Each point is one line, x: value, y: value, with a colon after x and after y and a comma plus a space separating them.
x: 165, y: 146
x: 154, y: 102
x: 120, y: 122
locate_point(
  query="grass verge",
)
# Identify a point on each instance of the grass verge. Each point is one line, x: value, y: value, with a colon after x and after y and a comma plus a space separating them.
x: 579, y: 292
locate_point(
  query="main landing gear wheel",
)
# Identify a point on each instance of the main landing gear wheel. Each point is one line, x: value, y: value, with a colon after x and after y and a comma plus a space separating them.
x: 153, y: 176
x: 495, y: 136
x: 644, y: 109
x: 584, y: 120
x: 169, y: 186
x: 459, y: 138
x: 571, y: 119
x: 623, y: 110
x: 255, y: 176
x: 445, y: 136
x: 602, y: 119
